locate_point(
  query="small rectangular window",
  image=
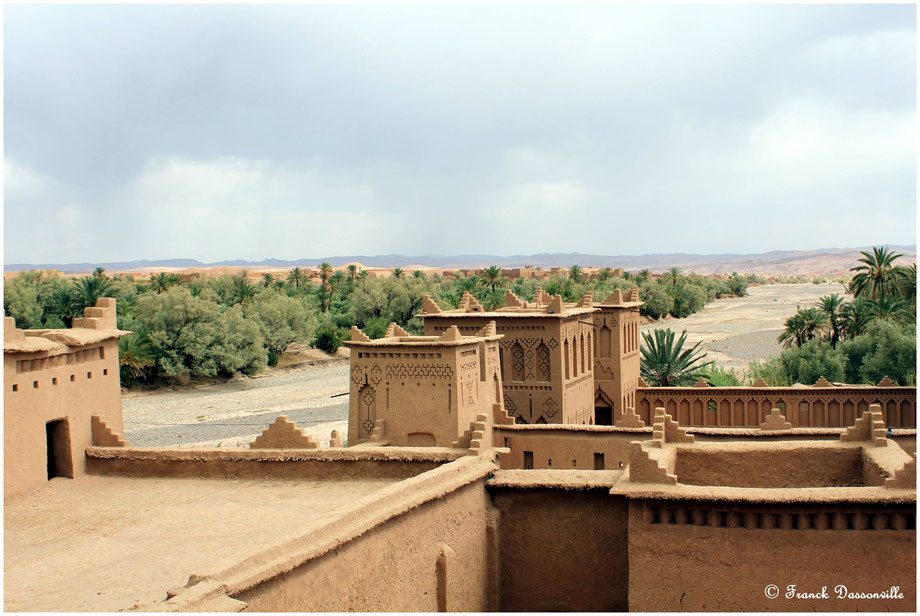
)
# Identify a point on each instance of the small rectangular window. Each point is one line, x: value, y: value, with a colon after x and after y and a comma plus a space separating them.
x: 73, y: 377
x: 89, y: 375
x: 54, y: 381
x: 15, y: 387
x: 34, y: 384
x: 105, y: 372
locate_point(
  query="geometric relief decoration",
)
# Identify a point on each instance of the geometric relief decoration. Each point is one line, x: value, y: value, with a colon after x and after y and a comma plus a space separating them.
x: 419, y: 371
x: 550, y: 407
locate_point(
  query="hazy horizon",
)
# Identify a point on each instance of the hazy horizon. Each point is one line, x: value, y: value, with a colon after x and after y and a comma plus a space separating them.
x: 249, y: 132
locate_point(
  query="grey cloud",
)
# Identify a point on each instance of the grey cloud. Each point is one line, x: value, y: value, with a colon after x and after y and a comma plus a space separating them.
x: 629, y: 116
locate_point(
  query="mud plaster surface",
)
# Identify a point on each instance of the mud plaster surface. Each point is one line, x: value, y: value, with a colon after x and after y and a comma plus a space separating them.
x: 67, y: 551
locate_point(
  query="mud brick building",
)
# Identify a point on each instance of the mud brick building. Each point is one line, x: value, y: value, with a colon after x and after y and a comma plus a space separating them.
x: 421, y: 391
x: 546, y: 353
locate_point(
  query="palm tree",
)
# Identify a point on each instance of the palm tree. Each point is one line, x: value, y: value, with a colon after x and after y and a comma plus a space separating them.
x: 672, y: 275
x: 908, y: 282
x: 99, y: 272
x: 418, y: 275
x: 832, y: 306
x: 162, y: 282
x: 877, y: 275
x: 279, y: 284
x: 243, y: 290
x: 87, y: 290
x: 398, y: 272
x: 135, y: 356
x: 362, y: 275
x: 890, y: 308
x: 492, y: 276
x: 468, y: 283
x: 804, y: 325
x: 268, y: 280
x: 352, y: 273
x: 643, y: 276
x: 855, y: 316
x: 665, y: 362
x: 297, y: 276
x: 325, y: 271
x: 575, y: 273
x: 627, y: 275
x: 603, y: 275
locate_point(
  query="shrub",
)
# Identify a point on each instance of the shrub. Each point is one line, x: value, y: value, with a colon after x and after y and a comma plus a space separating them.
x: 328, y: 338
x: 814, y: 359
x: 884, y: 349
x: 658, y: 302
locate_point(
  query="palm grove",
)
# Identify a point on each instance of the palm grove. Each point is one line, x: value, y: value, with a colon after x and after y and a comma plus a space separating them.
x: 858, y: 341
x: 229, y: 324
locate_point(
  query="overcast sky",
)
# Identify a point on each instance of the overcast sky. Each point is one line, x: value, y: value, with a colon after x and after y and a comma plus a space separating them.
x: 222, y: 132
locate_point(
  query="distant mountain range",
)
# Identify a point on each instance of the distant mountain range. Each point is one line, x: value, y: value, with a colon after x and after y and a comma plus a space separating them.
x: 821, y: 261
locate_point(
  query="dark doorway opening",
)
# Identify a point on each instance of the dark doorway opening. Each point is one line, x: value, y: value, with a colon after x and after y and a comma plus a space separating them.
x: 57, y: 440
x: 603, y: 416
x: 528, y: 459
x: 598, y: 461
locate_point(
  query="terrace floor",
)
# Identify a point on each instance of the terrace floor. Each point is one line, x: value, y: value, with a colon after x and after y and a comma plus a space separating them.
x: 114, y: 543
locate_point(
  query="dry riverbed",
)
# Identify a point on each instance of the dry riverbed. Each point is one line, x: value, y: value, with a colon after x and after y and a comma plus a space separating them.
x: 736, y: 330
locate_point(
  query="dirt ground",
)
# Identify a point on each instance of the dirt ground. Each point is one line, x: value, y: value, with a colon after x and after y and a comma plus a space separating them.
x: 103, y: 542
x: 736, y: 330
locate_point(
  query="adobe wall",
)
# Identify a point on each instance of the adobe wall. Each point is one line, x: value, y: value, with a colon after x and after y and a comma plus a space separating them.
x: 788, y: 465
x: 735, y: 558
x: 801, y: 406
x: 421, y: 391
x: 563, y: 444
x: 563, y: 543
x: 438, y: 555
x: 617, y: 355
x: 332, y: 463
x: 546, y: 355
x: 65, y: 381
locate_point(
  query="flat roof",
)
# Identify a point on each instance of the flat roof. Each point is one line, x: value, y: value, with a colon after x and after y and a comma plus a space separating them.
x: 99, y: 543
x: 504, y: 313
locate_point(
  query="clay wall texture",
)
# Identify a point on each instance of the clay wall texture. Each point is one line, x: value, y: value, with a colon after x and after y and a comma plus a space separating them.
x: 582, y: 444
x: 801, y: 406
x: 438, y: 556
x: 546, y: 360
x: 562, y: 549
x: 421, y: 391
x: 617, y: 357
x: 706, y: 556
x: 71, y: 375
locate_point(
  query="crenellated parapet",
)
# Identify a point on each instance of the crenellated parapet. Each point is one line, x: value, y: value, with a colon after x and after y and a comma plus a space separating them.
x: 422, y: 390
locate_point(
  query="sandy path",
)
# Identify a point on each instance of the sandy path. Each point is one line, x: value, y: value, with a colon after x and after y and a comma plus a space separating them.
x: 740, y: 329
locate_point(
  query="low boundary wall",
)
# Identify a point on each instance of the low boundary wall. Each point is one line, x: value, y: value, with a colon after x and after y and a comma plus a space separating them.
x: 428, y: 543
x: 803, y: 406
x: 337, y: 463
x: 576, y: 447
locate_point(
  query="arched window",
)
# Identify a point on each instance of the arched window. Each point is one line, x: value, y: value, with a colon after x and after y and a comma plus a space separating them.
x: 604, y: 342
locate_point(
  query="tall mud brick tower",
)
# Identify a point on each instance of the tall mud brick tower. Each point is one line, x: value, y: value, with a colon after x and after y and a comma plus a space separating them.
x: 546, y: 357
x: 421, y: 391
x: 616, y: 355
